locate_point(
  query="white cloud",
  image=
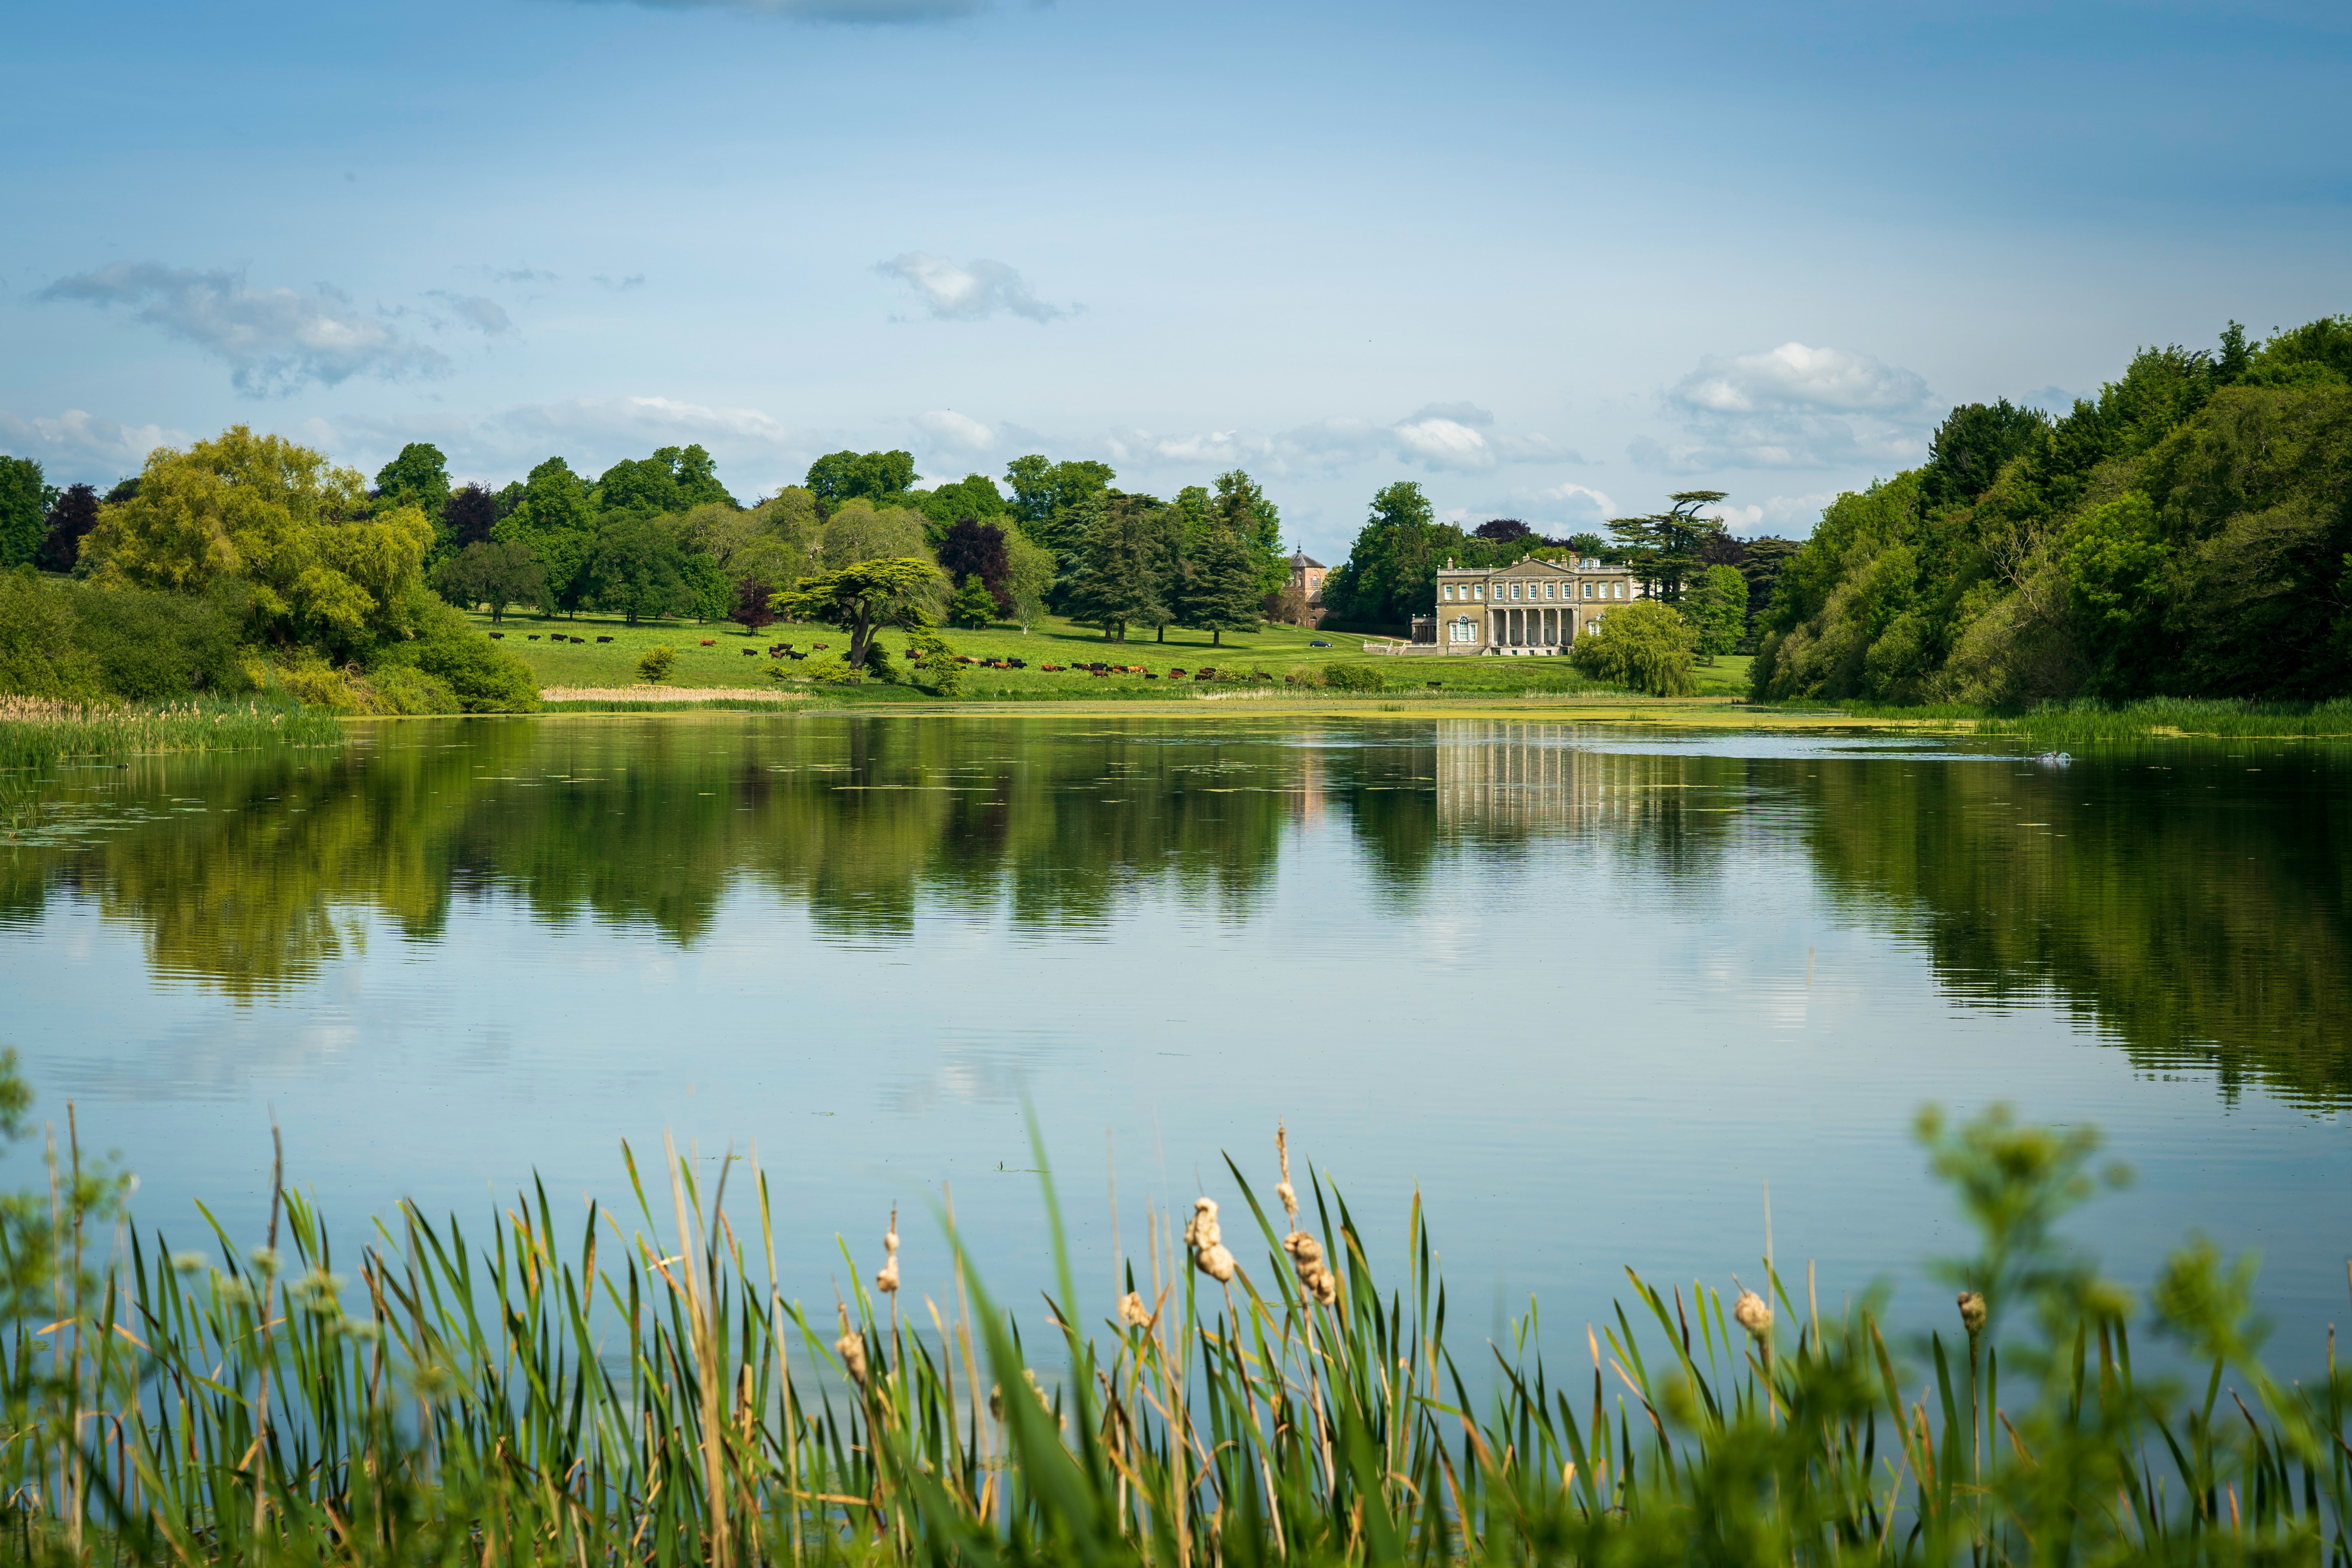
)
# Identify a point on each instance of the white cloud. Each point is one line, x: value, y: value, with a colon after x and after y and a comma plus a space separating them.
x: 1578, y: 503
x: 620, y: 285
x: 968, y: 291
x: 1795, y: 377
x: 1792, y: 407
x: 273, y: 340
x: 1443, y: 443
x: 949, y: 429
x: 76, y: 444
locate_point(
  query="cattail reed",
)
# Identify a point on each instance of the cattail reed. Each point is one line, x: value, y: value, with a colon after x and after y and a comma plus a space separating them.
x: 887, y: 1278
x: 1314, y: 1275
x: 1207, y: 1241
x: 850, y: 1347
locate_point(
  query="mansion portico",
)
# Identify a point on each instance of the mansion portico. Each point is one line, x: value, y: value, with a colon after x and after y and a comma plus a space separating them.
x: 1532, y: 607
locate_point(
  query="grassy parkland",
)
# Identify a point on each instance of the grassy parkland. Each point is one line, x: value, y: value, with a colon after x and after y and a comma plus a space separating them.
x: 721, y: 655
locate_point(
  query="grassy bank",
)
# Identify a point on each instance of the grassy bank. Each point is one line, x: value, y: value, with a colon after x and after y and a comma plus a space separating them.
x: 36, y: 730
x: 721, y: 654
x: 570, y: 1393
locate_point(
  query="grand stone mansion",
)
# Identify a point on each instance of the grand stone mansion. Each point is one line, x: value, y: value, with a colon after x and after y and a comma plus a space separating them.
x: 1531, y: 607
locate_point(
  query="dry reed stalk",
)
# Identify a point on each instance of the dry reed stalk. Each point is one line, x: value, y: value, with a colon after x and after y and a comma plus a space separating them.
x: 268, y: 1277
x: 696, y: 1252
x: 1319, y: 1286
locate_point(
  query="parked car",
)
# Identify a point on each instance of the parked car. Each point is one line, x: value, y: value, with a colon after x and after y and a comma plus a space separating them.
x: 1318, y: 642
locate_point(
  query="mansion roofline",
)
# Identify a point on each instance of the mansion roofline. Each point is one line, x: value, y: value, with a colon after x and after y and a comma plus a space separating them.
x: 1532, y: 606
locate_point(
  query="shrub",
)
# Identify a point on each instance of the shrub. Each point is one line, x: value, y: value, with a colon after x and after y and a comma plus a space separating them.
x: 480, y: 676
x: 653, y: 663
x: 405, y: 689
x: 40, y: 654
x: 973, y: 607
x: 152, y: 646
x: 829, y: 671
x: 1353, y: 678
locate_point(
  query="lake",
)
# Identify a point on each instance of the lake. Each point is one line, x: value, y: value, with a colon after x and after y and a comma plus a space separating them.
x: 1589, y: 990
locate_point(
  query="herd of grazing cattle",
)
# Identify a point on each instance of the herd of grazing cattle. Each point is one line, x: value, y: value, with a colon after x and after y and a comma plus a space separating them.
x: 1099, y: 671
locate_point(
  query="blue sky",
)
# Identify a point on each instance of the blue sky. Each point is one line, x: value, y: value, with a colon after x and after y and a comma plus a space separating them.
x: 1552, y: 261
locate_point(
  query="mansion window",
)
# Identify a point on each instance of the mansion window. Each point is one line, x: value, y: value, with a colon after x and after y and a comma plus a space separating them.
x: 1463, y: 629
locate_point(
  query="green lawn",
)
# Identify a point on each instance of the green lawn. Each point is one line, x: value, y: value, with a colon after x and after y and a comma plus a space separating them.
x: 1278, y: 650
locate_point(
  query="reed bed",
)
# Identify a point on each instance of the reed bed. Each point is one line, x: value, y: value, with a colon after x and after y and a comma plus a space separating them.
x: 574, y: 1393
x: 36, y: 730
x: 2090, y: 719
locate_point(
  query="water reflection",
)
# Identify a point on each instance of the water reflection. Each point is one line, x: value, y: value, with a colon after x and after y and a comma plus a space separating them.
x: 2189, y: 904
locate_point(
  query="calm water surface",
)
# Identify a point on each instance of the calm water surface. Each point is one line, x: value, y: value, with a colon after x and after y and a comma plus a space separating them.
x: 1588, y: 989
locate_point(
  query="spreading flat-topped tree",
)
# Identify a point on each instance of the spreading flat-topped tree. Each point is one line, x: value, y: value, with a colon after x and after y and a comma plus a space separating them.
x: 864, y: 598
x: 1664, y: 547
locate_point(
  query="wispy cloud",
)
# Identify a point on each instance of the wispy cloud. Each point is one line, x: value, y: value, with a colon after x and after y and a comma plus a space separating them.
x: 867, y: 12
x: 518, y: 275
x: 1458, y: 437
x: 486, y: 316
x: 620, y: 285
x: 76, y: 444
x: 273, y: 340
x: 969, y: 290
x: 1791, y: 407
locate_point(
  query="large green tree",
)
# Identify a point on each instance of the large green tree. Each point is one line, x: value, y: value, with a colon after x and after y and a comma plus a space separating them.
x: 1116, y: 578
x: 1247, y: 513
x: 864, y: 598
x: 1057, y: 503
x: 71, y: 516
x: 25, y: 497
x: 555, y: 516
x: 1717, y: 608
x: 497, y: 573
x: 419, y: 477
x: 880, y: 477
x: 319, y: 563
x: 1221, y: 591
x: 637, y: 568
x: 1390, y: 574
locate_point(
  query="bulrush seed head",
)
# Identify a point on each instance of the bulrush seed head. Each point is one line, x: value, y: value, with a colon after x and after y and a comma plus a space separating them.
x: 1754, y: 1314
x: 1314, y: 1275
x: 1202, y: 1235
x: 1133, y: 1312
x: 851, y: 1347
x: 1972, y: 1312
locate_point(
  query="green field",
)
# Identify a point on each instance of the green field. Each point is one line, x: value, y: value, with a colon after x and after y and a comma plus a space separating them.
x: 719, y: 654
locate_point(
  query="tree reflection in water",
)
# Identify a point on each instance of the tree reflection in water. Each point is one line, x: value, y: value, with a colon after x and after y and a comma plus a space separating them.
x: 2191, y: 909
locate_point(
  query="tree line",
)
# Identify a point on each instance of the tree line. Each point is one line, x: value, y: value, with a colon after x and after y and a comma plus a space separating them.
x: 2187, y: 531
x: 660, y: 536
